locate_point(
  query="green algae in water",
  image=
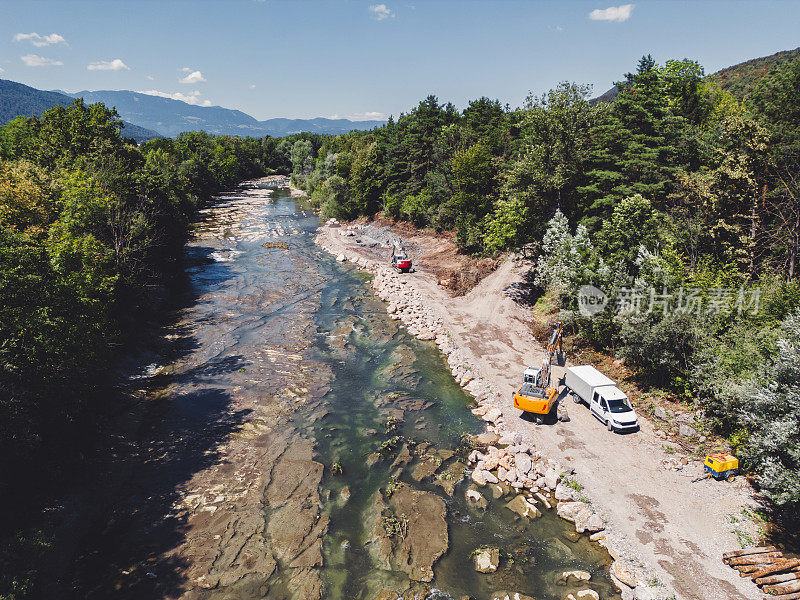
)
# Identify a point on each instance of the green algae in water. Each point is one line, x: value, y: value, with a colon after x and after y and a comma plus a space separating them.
x: 389, y: 387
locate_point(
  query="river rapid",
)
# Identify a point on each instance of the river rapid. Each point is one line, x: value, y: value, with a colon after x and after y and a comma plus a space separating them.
x: 299, y: 443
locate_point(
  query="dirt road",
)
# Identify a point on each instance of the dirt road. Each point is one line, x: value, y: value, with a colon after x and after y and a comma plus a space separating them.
x: 669, y: 531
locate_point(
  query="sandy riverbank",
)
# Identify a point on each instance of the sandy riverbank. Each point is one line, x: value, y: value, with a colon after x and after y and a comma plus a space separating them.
x: 664, y: 531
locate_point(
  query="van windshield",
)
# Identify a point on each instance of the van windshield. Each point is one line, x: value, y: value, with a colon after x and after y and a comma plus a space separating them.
x: 618, y: 406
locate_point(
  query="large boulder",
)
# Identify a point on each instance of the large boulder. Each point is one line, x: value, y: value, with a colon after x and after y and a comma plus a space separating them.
x: 475, y: 498
x: 661, y: 413
x: 493, y: 415
x: 523, y: 507
x: 478, y: 477
x: 509, y: 439
x: 408, y: 533
x: 577, y: 576
x: 486, y: 560
x: 564, y: 492
x: 551, y: 478
x: 570, y: 511
x: 594, y: 524
x: 524, y: 464
x: 623, y: 574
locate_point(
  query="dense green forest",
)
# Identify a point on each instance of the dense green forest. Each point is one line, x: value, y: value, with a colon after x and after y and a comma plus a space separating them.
x: 91, y: 228
x: 675, y: 194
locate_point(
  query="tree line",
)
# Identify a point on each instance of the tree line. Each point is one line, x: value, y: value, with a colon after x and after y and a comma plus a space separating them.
x: 675, y: 187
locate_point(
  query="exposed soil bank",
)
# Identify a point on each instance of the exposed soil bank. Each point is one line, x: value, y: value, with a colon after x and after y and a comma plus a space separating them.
x: 667, y: 533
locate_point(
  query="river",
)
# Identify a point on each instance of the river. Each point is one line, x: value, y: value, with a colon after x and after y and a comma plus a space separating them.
x: 298, y: 443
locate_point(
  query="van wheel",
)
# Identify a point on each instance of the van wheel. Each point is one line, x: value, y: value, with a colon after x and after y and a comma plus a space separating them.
x: 609, y: 426
x: 539, y: 419
x: 576, y: 399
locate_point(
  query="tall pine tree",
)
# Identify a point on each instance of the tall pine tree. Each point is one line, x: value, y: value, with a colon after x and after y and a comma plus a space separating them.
x: 635, y: 146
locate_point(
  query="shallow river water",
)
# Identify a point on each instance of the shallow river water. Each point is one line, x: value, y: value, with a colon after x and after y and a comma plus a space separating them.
x: 279, y: 338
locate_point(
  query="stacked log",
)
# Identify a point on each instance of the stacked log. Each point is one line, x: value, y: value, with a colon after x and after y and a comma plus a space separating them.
x: 777, y: 575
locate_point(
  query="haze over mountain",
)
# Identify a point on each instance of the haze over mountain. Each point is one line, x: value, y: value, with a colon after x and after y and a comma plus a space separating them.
x: 170, y: 117
x: 149, y: 116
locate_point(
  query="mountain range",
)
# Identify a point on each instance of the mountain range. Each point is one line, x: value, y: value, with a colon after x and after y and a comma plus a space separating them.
x: 17, y: 100
x: 147, y: 116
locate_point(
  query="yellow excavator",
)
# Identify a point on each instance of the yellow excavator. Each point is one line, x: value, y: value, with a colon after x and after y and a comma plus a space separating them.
x: 536, y: 396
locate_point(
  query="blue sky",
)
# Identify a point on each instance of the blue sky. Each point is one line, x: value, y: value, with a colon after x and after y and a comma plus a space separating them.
x: 282, y: 58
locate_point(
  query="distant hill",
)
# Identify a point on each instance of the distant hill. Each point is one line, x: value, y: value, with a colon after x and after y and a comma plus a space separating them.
x: 606, y: 96
x: 739, y: 80
x: 171, y: 117
x: 17, y: 100
x: 148, y: 116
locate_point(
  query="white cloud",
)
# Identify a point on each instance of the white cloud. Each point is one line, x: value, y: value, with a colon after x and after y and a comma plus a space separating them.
x: 108, y: 65
x: 612, y: 13
x: 40, y: 40
x: 252, y: 86
x: 368, y: 116
x: 2, y: 70
x: 381, y: 12
x: 193, y: 77
x: 34, y: 60
x: 150, y: 77
x: 185, y: 69
x: 365, y: 116
x: 190, y: 98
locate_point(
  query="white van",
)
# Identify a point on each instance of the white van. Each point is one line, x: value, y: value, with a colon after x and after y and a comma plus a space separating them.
x: 606, y: 401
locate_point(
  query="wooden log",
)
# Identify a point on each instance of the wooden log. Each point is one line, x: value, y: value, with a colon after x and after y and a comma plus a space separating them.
x: 793, y: 596
x: 784, y: 565
x: 754, y: 559
x: 782, y: 588
x: 770, y: 579
x: 746, y: 551
x: 750, y: 568
x: 756, y: 567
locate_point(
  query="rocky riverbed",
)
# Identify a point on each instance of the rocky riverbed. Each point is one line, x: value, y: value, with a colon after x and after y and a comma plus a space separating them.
x: 299, y: 444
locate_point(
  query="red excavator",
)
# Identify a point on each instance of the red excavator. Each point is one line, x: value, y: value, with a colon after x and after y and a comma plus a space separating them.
x: 400, y: 258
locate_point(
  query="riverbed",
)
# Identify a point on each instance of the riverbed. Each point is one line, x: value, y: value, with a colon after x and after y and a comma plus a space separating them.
x: 302, y: 444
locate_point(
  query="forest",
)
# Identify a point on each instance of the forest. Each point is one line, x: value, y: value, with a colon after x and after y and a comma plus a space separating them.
x: 680, y: 202
x: 92, y: 229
